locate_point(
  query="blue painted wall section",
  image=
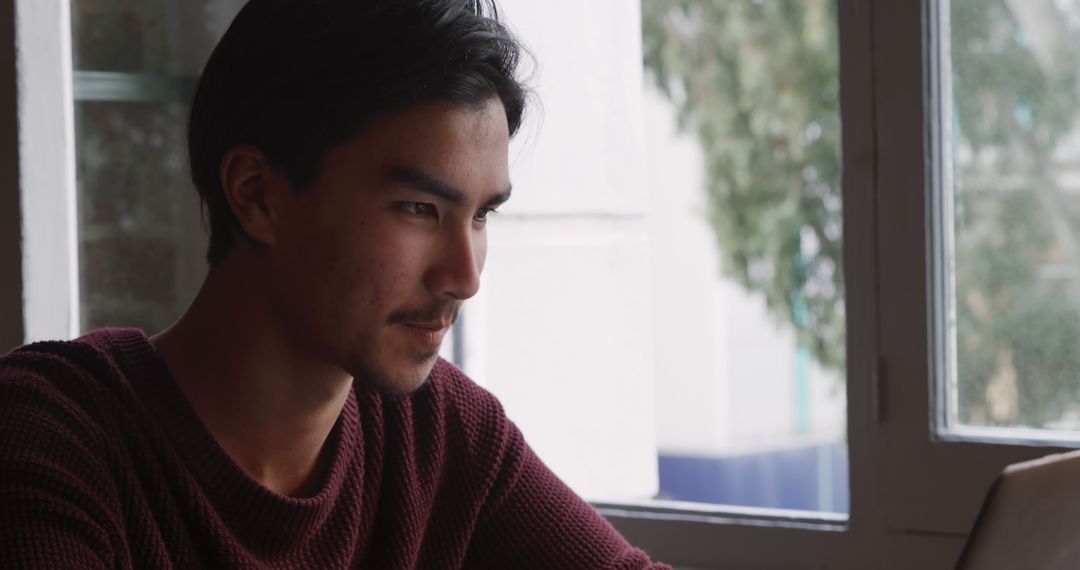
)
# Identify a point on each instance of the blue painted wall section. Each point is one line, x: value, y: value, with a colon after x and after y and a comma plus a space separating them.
x: 813, y: 478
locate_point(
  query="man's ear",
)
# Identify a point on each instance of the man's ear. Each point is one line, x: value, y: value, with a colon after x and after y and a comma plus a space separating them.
x: 252, y: 185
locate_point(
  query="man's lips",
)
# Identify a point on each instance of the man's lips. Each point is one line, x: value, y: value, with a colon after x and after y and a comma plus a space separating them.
x: 425, y: 328
x: 430, y: 325
x: 428, y: 334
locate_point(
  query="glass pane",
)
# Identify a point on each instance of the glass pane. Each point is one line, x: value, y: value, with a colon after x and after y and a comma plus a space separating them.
x: 140, y: 239
x: 744, y: 140
x: 141, y: 244
x: 156, y: 37
x: 1013, y: 147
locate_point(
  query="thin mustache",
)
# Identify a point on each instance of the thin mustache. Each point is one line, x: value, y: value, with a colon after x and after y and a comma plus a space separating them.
x: 437, y: 312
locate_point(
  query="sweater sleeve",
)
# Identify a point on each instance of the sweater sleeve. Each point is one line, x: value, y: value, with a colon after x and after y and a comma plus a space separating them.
x: 53, y: 511
x: 531, y: 519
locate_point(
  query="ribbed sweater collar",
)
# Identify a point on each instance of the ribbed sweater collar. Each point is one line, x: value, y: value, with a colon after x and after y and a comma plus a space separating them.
x: 223, y: 481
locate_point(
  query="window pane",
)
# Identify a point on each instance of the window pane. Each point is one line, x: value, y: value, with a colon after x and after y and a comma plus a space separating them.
x: 1012, y: 145
x: 156, y: 37
x: 750, y: 311
x: 140, y: 239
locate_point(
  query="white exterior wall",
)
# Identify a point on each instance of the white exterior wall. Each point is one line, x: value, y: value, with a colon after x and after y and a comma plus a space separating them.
x: 691, y: 339
x: 561, y: 329
x: 725, y: 369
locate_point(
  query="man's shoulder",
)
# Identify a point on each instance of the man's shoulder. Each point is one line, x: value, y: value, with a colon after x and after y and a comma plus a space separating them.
x: 62, y: 430
x: 80, y: 374
x: 57, y: 361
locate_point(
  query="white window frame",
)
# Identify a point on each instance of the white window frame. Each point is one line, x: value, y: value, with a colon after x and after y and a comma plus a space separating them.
x: 914, y: 494
x: 50, y: 270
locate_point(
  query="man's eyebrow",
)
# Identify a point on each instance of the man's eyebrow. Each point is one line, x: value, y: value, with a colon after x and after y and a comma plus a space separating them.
x: 424, y: 182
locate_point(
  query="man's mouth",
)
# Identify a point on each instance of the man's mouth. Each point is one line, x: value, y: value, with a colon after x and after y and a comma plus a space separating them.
x: 430, y: 325
x: 435, y: 317
x: 426, y: 328
x: 427, y: 333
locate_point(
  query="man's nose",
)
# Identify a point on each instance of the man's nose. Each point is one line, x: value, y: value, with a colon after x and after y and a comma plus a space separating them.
x: 456, y: 271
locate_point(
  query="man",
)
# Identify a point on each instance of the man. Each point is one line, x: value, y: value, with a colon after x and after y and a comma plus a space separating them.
x: 348, y: 154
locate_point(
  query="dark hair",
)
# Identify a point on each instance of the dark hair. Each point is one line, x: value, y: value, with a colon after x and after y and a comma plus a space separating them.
x: 298, y: 77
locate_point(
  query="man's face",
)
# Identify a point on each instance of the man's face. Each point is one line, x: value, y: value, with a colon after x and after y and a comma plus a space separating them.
x: 372, y: 263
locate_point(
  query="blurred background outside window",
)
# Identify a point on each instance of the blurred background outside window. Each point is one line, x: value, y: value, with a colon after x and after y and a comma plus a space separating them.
x: 1012, y: 194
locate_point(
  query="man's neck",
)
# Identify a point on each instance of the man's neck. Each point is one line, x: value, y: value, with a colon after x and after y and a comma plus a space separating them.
x: 268, y: 405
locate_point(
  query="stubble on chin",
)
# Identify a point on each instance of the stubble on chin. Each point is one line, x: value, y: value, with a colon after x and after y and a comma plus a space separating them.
x: 396, y: 384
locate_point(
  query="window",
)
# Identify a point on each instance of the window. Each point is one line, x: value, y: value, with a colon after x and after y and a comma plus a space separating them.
x: 915, y: 178
x: 140, y: 244
x: 755, y: 86
x: 1010, y: 143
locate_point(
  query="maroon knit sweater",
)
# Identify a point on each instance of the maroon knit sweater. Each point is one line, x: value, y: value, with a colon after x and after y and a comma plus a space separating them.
x: 104, y: 464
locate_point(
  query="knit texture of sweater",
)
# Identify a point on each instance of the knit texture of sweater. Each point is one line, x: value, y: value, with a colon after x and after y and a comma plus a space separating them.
x: 104, y: 464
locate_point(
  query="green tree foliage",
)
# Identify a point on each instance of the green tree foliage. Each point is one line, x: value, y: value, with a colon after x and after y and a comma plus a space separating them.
x: 1014, y: 99
x: 756, y: 81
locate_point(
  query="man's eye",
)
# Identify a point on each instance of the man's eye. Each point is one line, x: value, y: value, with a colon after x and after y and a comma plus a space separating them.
x: 419, y: 209
x: 483, y: 213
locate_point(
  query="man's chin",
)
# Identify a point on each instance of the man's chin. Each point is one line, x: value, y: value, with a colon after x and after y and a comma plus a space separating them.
x: 401, y: 380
